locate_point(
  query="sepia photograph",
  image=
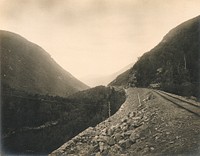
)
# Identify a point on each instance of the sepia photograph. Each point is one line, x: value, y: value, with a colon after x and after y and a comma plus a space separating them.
x: 99, y: 78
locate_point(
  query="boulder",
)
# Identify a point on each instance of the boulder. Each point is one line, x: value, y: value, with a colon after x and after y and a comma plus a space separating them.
x: 104, y: 131
x: 93, y: 148
x: 127, y: 133
x: 124, y: 119
x: 103, y: 138
x: 95, y: 139
x: 128, y: 143
x: 125, y: 143
x: 110, y: 131
x: 101, y: 146
x: 98, y: 154
x: 134, y: 136
x: 122, y: 143
x: 118, y: 137
x: 111, y: 141
x: 117, y: 128
x: 131, y: 114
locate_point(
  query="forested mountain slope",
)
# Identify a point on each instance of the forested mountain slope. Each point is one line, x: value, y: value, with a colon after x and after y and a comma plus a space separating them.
x: 27, y: 67
x: 173, y: 65
x: 38, y: 124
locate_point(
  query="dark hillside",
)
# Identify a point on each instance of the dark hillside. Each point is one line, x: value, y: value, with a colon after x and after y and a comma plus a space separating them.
x: 27, y: 67
x: 38, y: 124
x: 173, y: 65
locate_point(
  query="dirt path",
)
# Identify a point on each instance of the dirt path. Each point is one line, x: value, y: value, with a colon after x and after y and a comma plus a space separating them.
x: 146, y: 124
x: 26, y: 129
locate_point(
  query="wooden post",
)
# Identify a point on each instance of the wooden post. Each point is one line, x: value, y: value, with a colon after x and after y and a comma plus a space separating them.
x: 139, y: 100
x: 109, y: 110
x: 185, y: 62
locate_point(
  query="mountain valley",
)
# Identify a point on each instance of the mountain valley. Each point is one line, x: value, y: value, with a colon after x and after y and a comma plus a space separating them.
x: 150, y: 109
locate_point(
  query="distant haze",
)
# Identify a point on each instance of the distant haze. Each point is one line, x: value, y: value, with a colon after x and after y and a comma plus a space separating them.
x: 90, y: 38
x: 93, y: 80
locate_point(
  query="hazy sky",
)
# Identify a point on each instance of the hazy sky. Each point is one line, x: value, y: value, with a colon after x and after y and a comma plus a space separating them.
x: 92, y: 38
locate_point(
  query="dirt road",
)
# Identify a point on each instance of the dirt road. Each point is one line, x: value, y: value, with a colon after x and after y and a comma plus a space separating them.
x: 148, y: 123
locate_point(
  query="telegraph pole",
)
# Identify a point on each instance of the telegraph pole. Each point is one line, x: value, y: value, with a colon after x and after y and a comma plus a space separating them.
x: 109, y: 110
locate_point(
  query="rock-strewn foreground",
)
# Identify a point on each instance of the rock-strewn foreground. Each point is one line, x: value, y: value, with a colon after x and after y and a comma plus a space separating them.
x: 149, y: 126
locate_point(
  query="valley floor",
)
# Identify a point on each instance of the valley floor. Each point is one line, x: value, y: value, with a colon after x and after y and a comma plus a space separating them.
x: 148, y: 123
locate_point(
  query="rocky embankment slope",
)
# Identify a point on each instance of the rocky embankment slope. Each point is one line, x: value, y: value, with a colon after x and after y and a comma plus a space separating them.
x: 146, y: 124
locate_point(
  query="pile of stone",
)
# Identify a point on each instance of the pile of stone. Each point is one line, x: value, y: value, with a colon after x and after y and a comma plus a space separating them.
x: 122, y: 131
x: 117, y: 138
x: 105, y: 140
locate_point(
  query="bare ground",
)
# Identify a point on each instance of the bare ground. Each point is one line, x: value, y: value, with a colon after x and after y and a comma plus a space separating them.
x: 146, y: 124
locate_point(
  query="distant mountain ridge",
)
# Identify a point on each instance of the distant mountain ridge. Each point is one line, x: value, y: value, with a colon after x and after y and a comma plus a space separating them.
x: 95, y: 80
x: 26, y: 66
x: 173, y: 65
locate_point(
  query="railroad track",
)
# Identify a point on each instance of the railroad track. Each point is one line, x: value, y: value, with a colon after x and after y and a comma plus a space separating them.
x: 183, y: 104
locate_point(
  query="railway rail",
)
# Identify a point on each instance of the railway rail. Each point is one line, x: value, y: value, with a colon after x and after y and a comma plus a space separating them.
x: 191, y: 107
